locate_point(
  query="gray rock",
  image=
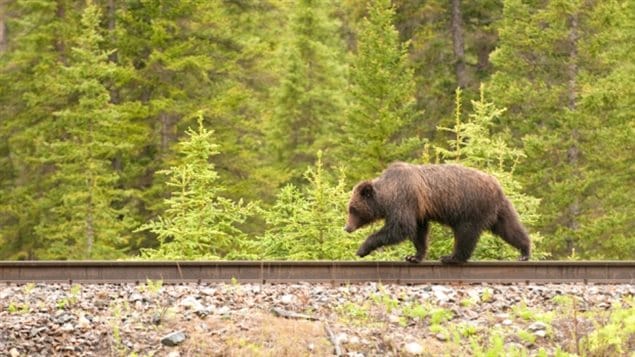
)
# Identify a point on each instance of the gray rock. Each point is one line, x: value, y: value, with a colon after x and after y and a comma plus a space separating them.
x: 441, y: 337
x: 441, y: 293
x: 156, y: 318
x: 134, y: 297
x: 394, y: 318
x: 63, y: 317
x: 603, y: 305
x: 537, y: 326
x: 68, y: 327
x: 83, y: 322
x: 203, y: 311
x: 208, y: 292
x: 36, y: 331
x: 191, y: 302
x: 470, y: 314
x: 287, y: 299
x: 223, y: 310
x: 342, y: 338
x: 413, y: 348
x: 5, y: 294
x: 173, y: 339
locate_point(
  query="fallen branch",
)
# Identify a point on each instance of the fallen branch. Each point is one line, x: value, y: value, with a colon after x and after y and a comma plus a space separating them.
x: 292, y: 315
x: 334, y: 340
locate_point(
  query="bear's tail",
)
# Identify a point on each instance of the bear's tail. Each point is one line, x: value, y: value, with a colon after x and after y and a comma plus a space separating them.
x: 508, y: 227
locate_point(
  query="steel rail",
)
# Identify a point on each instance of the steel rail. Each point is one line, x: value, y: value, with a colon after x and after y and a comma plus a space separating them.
x: 336, y: 272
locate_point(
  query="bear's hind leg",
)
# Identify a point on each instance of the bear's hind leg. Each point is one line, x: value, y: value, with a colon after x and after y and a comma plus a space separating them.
x: 420, y: 241
x: 465, y: 237
x: 508, y: 227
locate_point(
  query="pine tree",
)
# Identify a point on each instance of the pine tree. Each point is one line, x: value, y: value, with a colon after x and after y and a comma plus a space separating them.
x: 381, y: 110
x: 87, y: 217
x: 450, y: 46
x: 198, y: 222
x: 306, y: 223
x: 308, y: 100
x: 550, y: 60
x: 194, y: 56
x: 607, y: 223
x: 38, y: 33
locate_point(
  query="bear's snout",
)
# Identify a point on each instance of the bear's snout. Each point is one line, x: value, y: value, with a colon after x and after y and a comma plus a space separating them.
x: 348, y: 229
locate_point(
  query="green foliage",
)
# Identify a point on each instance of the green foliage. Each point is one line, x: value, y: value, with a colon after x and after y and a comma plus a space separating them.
x: 308, y: 98
x: 440, y: 315
x: 37, y: 41
x: 553, y: 61
x: 380, y: 115
x: 614, y: 336
x: 71, y: 299
x: 153, y: 287
x: 385, y: 300
x: 199, y: 222
x: 95, y: 96
x: 415, y: 311
x: 495, y: 346
x: 307, y: 223
x: 487, y: 295
x: 86, y: 216
x: 354, y: 313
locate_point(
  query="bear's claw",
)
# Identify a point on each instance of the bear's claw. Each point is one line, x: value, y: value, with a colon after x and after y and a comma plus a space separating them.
x: 362, y: 252
x: 413, y: 259
x: 450, y: 259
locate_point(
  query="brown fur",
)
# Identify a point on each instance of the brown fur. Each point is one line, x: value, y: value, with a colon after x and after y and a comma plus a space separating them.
x: 409, y: 196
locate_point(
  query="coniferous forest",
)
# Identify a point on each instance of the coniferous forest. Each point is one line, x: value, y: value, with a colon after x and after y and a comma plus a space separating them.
x: 231, y: 129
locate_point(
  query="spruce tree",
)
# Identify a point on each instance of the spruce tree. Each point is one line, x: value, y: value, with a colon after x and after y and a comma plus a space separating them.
x: 37, y: 42
x: 198, y: 221
x: 194, y: 56
x: 551, y: 58
x: 308, y: 99
x: 306, y: 222
x: 450, y: 46
x: 87, y: 217
x: 380, y: 115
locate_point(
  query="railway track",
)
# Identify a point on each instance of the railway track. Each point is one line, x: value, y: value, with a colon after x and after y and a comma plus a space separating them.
x: 335, y: 272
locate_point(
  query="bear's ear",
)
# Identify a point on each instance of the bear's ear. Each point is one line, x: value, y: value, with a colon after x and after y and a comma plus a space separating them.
x: 366, y: 189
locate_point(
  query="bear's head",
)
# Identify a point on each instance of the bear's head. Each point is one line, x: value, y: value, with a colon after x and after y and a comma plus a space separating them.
x: 363, y: 207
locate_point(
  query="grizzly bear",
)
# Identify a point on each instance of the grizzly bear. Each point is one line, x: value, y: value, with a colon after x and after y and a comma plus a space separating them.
x: 409, y: 196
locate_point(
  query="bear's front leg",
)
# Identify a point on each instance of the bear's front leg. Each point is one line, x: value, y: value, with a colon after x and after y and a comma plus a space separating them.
x: 371, y: 243
x: 391, y: 233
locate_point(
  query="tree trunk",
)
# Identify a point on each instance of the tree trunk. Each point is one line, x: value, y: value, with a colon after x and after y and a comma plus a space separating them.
x: 458, y: 44
x: 90, y: 214
x: 3, y: 26
x: 167, y: 131
x: 90, y: 226
x: 573, y: 153
x: 59, y: 42
x: 115, y: 98
x: 112, y: 8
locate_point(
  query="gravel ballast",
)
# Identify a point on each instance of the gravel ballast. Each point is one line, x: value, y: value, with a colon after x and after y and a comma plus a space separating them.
x: 311, y: 319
